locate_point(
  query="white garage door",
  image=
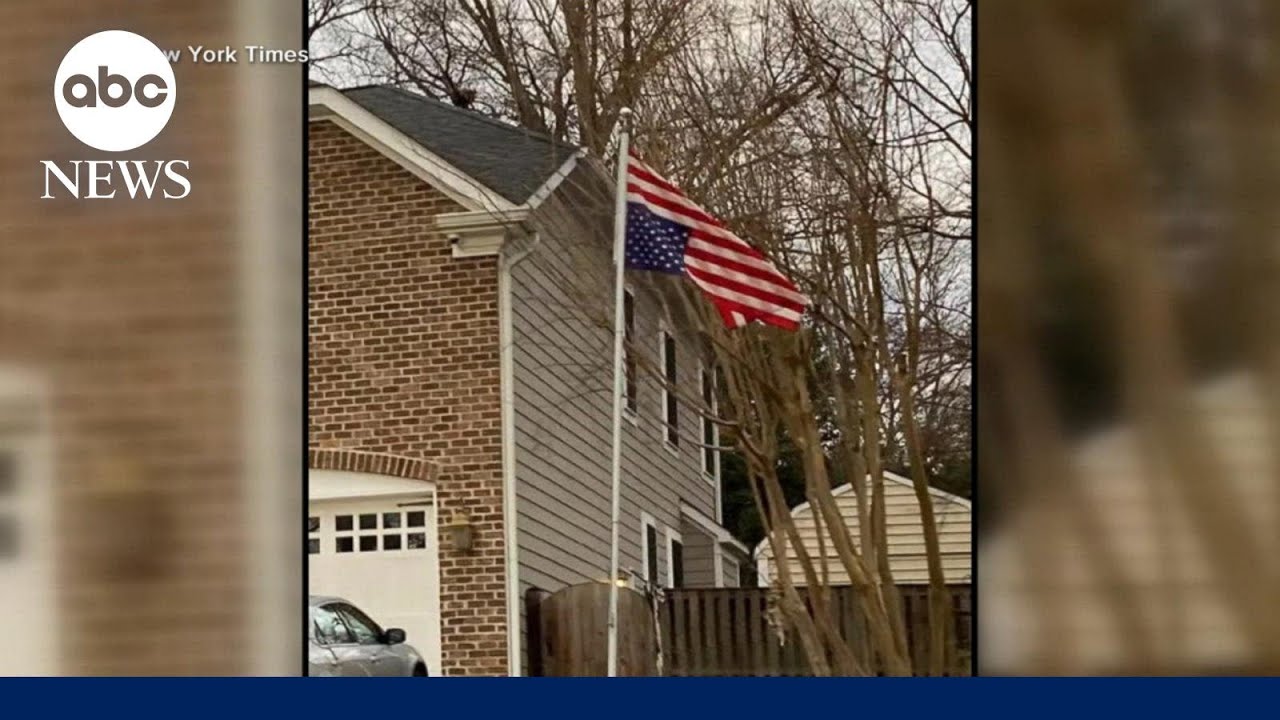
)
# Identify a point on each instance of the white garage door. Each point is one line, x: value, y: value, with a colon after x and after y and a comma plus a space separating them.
x: 378, y: 552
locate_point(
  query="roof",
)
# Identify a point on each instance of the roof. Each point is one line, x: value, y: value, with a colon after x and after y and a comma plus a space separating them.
x: 937, y: 493
x: 512, y: 161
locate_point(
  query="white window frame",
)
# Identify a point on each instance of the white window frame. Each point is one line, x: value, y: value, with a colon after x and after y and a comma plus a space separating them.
x: 673, y: 536
x: 667, y: 395
x: 713, y: 473
x: 647, y: 521
x: 631, y: 414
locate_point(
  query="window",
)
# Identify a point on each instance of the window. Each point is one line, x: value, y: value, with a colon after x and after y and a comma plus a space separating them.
x: 329, y: 628
x: 387, y: 531
x: 628, y: 359
x: 675, y: 559
x: 649, y: 548
x: 670, y: 406
x: 313, y: 535
x: 366, y: 631
x: 710, y: 432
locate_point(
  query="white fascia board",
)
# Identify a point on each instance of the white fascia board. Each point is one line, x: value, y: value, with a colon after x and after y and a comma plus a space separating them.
x: 553, y: 182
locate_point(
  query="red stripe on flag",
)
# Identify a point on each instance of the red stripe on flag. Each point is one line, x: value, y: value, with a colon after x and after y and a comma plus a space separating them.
x: 690, y: 212
x: 759, y: 292
x: 637, y: 167
x: 724, y: 242
x: 728, y: 307
x: 769, y: 276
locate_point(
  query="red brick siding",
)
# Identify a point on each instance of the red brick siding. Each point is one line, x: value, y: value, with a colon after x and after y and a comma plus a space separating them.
x: 367, y: 462
x: 404, y: 361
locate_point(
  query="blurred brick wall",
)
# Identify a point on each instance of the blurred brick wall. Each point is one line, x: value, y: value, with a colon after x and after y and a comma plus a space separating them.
x: 404, y: 361
x: 132, y: 316
x: 127, y: 309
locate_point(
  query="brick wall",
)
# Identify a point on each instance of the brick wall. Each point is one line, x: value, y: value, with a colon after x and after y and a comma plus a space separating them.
x: 126, y: 310
x: 404, y: 361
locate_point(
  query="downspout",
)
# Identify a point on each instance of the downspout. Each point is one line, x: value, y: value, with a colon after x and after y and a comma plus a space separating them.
x: 506, y: 338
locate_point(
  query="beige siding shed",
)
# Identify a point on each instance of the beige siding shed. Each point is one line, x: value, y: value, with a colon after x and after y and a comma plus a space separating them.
x: 904, y: 528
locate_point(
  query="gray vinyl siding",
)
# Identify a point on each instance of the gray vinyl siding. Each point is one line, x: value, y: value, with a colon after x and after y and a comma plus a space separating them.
x: 561, y: 309
x: 730, y: 571
x: 699, y: 560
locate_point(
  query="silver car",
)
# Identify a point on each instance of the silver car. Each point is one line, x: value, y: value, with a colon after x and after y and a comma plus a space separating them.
x: 344, y: 642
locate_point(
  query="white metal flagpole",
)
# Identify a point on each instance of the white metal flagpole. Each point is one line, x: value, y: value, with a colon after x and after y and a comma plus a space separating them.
x: 619, y: 335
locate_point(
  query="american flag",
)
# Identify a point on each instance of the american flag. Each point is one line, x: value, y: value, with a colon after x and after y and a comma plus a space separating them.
x: 668, y: 232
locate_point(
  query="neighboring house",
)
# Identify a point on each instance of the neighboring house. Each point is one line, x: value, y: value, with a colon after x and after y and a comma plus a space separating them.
x: 903, y: 527
x: 460, y: 374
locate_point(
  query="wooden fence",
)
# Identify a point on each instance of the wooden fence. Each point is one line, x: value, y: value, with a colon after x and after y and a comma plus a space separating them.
x: 723, y: 632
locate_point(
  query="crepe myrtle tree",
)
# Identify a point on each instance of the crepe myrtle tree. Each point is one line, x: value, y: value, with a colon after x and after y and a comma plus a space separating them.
x: 864, y: 203
x: 860, y: 193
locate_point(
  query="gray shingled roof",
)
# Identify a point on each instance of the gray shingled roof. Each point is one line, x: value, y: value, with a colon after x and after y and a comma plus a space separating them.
x: 510, y: 160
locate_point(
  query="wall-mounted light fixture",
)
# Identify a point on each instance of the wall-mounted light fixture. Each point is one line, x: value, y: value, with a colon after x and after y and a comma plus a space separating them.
x: 461, y: 532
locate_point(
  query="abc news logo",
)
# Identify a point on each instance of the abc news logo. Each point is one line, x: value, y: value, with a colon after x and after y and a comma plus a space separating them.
x: 93, y: 93
x: 115, y: 92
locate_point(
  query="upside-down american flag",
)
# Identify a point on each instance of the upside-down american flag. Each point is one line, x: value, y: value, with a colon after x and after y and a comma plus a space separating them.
x: 670, y: 233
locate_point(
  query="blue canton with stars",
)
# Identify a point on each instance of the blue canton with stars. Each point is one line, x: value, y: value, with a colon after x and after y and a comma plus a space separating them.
x: 654, y: 243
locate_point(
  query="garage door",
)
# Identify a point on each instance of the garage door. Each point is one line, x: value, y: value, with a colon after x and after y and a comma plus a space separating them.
x: 380, y: 553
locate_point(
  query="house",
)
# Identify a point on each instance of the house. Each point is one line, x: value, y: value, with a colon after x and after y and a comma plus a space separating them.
x: 903, y: 527
x: 460, y: 382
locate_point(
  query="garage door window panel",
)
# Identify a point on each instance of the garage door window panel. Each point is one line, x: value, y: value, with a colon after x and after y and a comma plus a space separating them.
x: 313, y: 535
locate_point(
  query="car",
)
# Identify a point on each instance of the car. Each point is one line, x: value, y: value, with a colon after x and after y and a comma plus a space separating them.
x: 345, y: 642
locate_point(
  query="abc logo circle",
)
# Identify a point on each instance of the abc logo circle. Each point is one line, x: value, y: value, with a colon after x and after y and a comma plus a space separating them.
x: 114, y: 90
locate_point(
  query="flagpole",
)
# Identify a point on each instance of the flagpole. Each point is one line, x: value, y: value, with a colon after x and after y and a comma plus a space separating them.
x: 619, y: 335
